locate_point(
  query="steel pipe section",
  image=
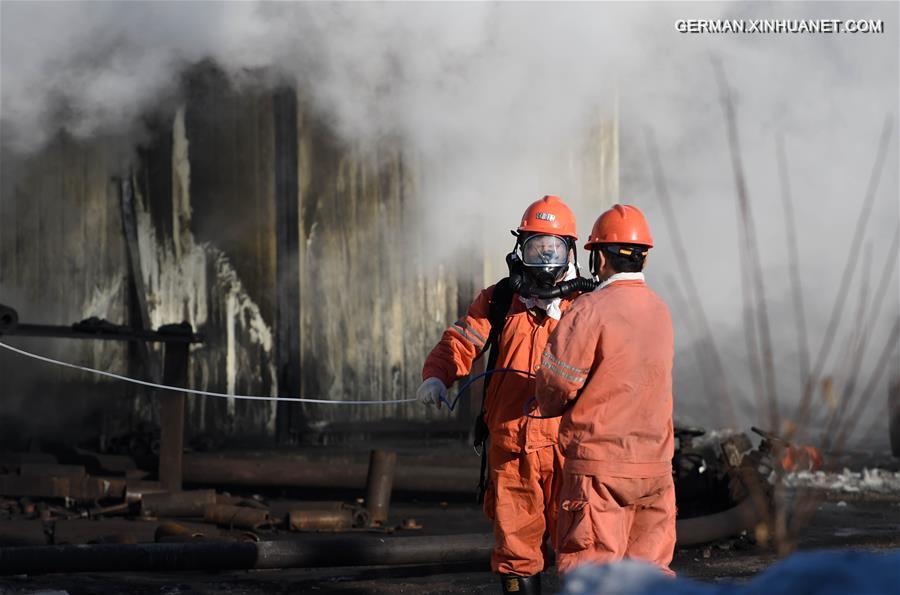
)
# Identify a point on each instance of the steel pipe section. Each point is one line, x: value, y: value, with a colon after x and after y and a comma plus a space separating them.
x: 312, y: 552
x: 712, y: 527
x: 306, y: 553
x: 379, y: 484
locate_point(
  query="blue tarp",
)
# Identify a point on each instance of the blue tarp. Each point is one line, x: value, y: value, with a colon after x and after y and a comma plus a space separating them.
x: 812, y: 573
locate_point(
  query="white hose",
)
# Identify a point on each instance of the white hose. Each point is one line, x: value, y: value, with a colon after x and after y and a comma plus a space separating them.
x: 202, y: 393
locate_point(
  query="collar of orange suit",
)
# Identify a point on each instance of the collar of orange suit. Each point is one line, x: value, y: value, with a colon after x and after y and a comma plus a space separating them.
x: 621, y: 277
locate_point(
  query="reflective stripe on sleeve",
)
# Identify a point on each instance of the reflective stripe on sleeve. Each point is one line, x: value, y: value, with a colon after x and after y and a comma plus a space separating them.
x: 561, y: 364
x: 470, y: 335
x: 551, y: 366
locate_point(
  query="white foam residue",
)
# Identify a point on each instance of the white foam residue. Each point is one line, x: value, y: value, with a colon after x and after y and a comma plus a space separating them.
x: 868, y: 480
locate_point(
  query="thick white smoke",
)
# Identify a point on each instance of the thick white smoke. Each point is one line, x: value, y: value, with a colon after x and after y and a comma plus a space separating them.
x: 489, y: 99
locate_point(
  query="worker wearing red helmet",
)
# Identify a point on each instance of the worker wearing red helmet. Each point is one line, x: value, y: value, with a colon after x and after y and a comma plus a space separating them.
x: 523, y: 458
x: 608, y: 370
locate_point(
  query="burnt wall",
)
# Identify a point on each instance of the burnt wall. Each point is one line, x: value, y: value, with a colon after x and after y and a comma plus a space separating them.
x: 62, y: 259
x: 203, y: 183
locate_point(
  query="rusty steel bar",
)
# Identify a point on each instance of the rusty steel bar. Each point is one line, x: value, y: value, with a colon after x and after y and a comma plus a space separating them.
x: 240, y: 517
x: 802, y: 412
x: 791, y: 234
x: 309, y: 552
x: 285, y: 471
x: 49, y: 486
x: 171, y: 417
x: 757, y: 324
x: 863, y: 400
x: 327, y: 520
x: 379, y: 484
x: 320, y: 520
x: 178, y: 504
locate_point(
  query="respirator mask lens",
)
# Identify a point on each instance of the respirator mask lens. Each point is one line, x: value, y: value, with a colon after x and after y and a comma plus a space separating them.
x: 546, y: 257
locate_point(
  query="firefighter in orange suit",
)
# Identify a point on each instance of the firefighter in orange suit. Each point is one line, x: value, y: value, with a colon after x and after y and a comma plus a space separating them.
x: 608, y: 370
x: 524, y: 459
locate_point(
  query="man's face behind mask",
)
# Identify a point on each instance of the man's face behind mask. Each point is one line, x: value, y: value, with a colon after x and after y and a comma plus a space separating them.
x: 546, y: 258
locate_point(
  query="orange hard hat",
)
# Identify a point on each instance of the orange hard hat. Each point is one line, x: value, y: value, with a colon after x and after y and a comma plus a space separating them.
x: 622, y: 224
x: 549, y: 215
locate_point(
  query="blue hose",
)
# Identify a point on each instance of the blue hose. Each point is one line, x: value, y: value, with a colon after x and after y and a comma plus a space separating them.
x: 470, y: 381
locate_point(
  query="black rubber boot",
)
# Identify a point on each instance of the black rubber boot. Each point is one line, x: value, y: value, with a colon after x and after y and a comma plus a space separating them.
x: 521, y: 585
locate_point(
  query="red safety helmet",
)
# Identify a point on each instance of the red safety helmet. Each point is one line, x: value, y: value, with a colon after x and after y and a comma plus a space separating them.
x: 549, y: 215
x: 622, y: 224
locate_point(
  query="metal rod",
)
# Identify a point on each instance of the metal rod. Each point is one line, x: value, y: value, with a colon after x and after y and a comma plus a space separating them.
x: 837, y: 310
x: 285, y: 471
x: 705, y: 336
x: 171, y: 417
x: 790, y: 225
x: 880, y: 367
x: 179, y: 504
x: 887, y: 274
x: 379, y: 483
x: 327, y: 520
x: 754, y: 276
x: 865, y: 334
x: 853, y: 357
x: 239, y: 517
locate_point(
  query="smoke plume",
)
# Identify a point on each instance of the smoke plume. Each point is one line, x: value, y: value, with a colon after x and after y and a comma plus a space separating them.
x: 492, y: 101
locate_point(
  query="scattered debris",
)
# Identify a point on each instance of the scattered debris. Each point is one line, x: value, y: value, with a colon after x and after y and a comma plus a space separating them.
x: 115, y: 509
x: 237, y: 517
x: 877, y: 481
x: 410, y: 525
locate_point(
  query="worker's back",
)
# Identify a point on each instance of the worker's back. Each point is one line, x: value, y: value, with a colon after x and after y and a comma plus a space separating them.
x: 621, y: 423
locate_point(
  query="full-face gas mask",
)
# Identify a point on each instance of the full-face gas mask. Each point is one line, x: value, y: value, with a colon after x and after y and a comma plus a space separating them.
x: 545, y: 258
x: 539, y: 262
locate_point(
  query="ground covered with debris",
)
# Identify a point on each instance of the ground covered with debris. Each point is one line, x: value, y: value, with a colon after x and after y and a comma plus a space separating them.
x: 858, y: 508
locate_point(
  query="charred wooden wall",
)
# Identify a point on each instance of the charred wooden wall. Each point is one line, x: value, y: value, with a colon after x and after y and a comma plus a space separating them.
x: 206, y: 199
x: 62, y: 258
x: 206, y: 236
x: 369, y: 310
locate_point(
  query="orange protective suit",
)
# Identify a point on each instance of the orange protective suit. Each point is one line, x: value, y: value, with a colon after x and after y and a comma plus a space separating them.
x: 524, y: 459
x: 608, y: 367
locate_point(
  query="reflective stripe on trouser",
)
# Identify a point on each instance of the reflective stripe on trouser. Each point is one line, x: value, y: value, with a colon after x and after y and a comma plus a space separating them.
x: 603, y: 519
x: 521, y: 501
